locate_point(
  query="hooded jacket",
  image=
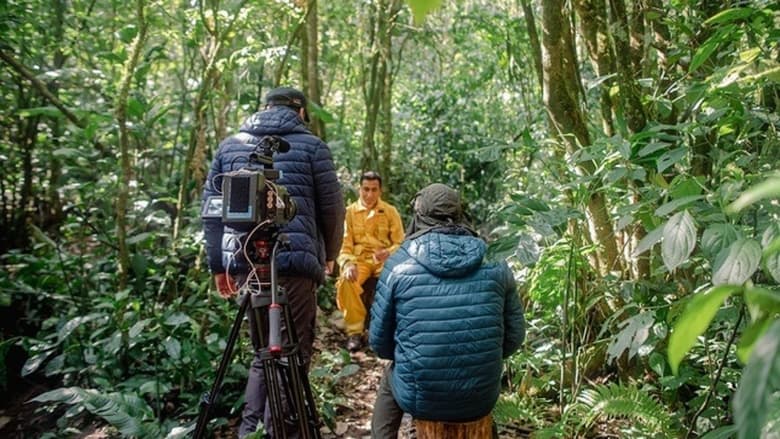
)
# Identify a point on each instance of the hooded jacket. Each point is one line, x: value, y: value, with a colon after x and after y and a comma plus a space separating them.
x: 447, y: 319
x: 308, y: 173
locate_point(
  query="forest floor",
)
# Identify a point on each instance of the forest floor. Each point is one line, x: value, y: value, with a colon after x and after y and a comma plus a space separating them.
x: 355, y: 393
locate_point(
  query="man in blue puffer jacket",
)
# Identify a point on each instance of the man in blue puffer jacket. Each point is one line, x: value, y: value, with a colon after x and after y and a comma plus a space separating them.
x: 315, y: 232
x: 445, y: 316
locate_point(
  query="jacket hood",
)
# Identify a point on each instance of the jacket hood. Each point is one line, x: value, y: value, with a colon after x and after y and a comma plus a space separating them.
x: 274, y: 120
x: 447, y: 255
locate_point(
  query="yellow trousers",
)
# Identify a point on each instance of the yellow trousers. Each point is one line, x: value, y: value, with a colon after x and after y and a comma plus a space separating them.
x: 348, y: 296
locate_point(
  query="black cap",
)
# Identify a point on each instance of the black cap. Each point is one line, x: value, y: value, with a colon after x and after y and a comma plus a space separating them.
x: 289, y: 97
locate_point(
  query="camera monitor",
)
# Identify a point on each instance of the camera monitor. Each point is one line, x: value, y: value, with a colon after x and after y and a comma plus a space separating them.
x: 240, y: 197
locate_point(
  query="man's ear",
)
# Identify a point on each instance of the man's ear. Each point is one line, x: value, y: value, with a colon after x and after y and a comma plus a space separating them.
x: 304, y: 114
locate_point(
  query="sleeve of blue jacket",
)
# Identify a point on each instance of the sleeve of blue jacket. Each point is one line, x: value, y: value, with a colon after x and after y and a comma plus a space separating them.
x: 212, y: 227
x: 381, y: 334
x: 514, y: 322
x: 330, y: 201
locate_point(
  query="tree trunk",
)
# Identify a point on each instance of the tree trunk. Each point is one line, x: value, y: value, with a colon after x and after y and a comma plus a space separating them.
x: 310, y: 45
x: 561, y: 98
x: 630, y: 95
x: 386, y: 105
x: 377, y: 85
x: 593, y: 27
x: 661, y: 44
x: 371, y: 89
x: 533, y: 39
x: 120, y: 111
x: 193, y: 167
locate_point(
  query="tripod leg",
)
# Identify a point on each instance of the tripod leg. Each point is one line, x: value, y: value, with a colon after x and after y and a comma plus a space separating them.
x: 299, y: 388
x: 275, y: 398
x: 208, y: 399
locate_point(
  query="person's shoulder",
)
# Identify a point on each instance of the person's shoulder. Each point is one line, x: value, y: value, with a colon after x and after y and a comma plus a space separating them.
x: 498, y: 269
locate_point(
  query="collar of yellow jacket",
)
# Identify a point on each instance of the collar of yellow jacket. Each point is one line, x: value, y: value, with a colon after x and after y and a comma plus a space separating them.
x: 380, y: 205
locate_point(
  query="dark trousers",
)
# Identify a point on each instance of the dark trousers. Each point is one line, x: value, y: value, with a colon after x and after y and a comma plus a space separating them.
x: 302, y: 298
x: 386, y: 419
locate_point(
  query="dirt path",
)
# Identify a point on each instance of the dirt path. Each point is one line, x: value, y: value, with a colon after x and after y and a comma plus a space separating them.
x: 353, y: 417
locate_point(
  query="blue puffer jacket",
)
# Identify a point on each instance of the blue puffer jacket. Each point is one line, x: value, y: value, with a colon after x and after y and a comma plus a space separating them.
x: 447, y: 320
x: 308, y: 174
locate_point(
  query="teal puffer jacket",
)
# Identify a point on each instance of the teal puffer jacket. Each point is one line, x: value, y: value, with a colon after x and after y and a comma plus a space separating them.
x: 447, y: 319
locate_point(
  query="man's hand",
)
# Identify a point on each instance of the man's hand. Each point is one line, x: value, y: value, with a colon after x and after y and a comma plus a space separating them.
x: 225, y: 285
x: 381, y: 255
x: 350, y: 272
x: 328, y: 268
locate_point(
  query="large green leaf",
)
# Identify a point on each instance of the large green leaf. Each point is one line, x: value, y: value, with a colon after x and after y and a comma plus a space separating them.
x: 127, y: 412
x: 172, y: 347
x: 770, y: 234
x: 670, y: 158
x: 679, y: 239
x: 177, y: 319
x: 726, y: 432
x: 771, y: 256
x: 747, y: 341
x: 729, y: 15
x: 772, y: 265
x: 760, y: 380
x: 633, y: 335
x: 735, y: 264
x: 703, y: 53
x: 717, y: 237
x: 694, y: 321
x: 770, y: 188
x: 527, y: 251
x: 676, y: 204
x: 762, y: 302
x: 649, y: 240
x: 33, y: 363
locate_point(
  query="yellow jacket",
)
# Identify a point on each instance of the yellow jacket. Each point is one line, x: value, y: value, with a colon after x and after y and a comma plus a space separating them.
x: 368, y: 230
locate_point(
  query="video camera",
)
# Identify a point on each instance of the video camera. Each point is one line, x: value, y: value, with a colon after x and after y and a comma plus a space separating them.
x: 250, y: 196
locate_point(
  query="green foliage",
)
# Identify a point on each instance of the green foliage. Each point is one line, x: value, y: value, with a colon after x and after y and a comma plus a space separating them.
x: 759, y: 388
x: 514, y: 408
x: 648, y: 417
x: 767, y: 189
x: 698, y: 179
x: 130, y: 414
x: 695, y: 320
x: 633, y: 335
x: 679, y: 239
x: 331, y: 368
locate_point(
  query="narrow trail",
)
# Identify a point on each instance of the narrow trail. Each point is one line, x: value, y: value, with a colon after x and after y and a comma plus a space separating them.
x: 353, y: 417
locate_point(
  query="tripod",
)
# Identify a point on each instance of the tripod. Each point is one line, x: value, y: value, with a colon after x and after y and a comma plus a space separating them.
x: 284, y: 369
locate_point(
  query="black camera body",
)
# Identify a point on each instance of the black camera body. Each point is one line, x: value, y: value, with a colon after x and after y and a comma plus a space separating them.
x: 250, y: 197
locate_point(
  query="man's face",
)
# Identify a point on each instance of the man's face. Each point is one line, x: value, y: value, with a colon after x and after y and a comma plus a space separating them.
x: 370, y: 191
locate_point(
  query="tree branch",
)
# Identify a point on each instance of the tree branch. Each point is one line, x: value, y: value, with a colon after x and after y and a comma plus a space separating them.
x: 41, y: 87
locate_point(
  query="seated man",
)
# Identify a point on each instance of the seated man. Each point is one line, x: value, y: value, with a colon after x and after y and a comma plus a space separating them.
x: 445, y: 316
x: 372, y: 231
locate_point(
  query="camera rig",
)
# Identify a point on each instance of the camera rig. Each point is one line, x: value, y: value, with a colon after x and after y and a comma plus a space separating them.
x: 250, y: 197
x: 254, y: 206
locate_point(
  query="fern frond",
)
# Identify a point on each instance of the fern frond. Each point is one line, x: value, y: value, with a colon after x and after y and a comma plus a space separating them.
x: 130, y: 414
x: 625, y: 402
x: 508, y: 409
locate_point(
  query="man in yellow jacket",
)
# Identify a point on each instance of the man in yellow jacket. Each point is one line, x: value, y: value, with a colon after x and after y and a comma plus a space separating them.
x: 372, y: 231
